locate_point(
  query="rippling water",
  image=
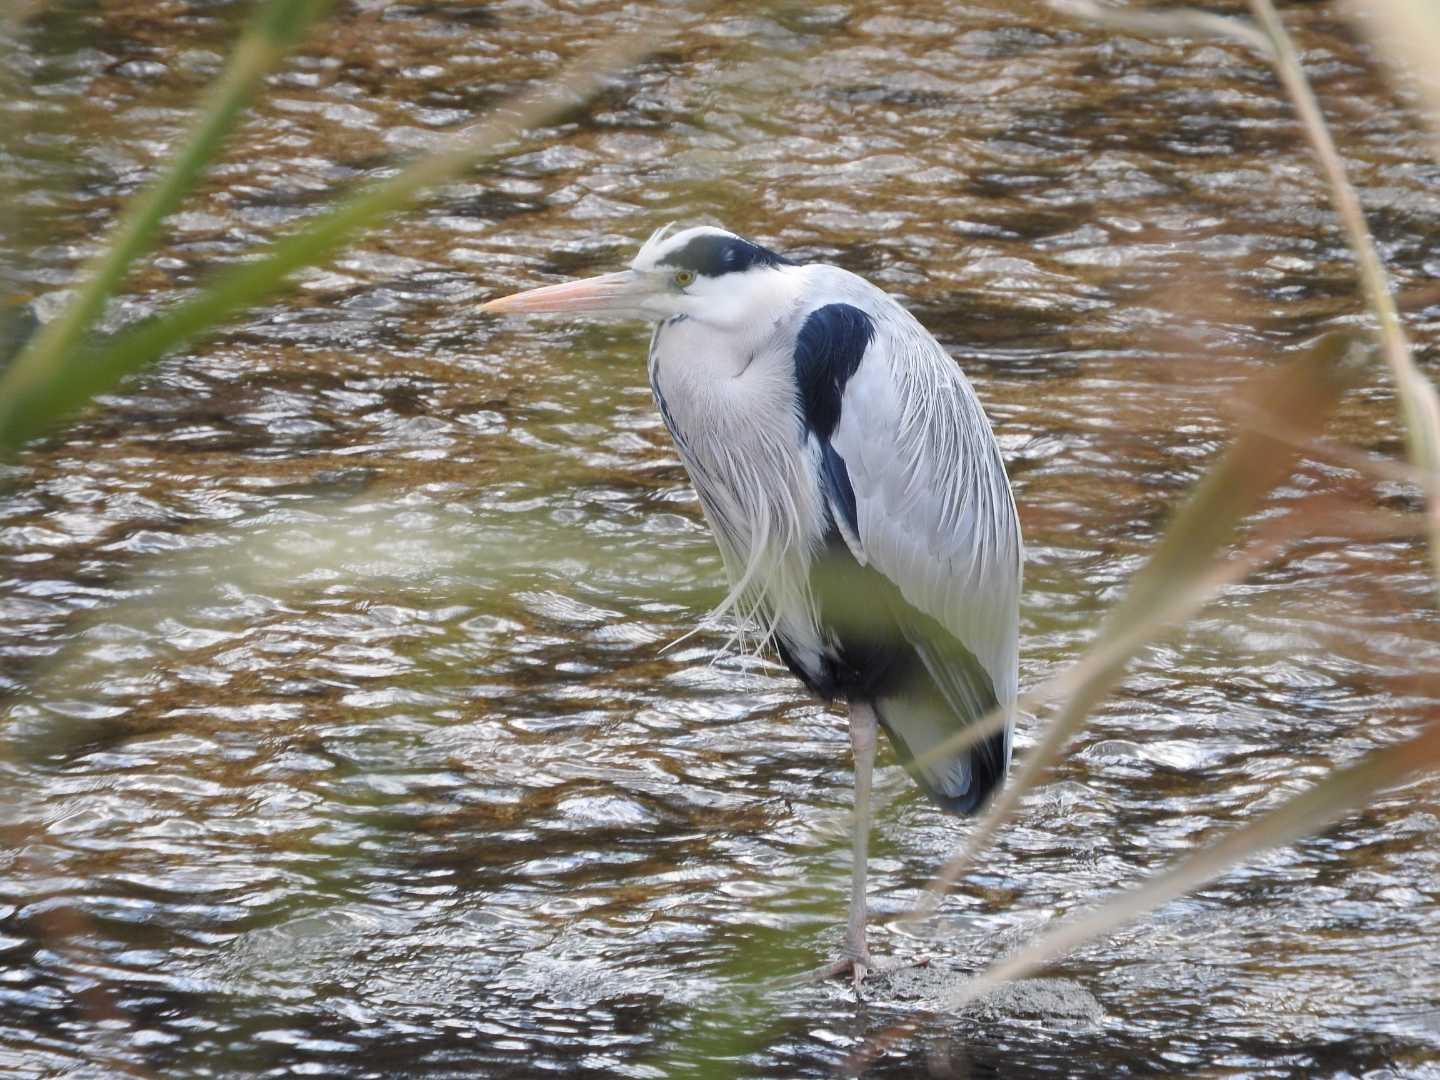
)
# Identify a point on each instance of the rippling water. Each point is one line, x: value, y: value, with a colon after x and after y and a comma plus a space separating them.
x: 342, y: 741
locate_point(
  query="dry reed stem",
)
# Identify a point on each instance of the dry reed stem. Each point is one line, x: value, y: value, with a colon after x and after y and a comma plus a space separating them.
x: 1342, y: 791
x: 1182, y: 573
x: 1419, y: 405
x: 1408, y: 35
x: 1103, y: 667
x: 1176, y: 22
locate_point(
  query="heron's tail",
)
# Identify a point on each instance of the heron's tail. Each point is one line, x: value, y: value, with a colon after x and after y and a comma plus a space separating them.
x: 943, y: 691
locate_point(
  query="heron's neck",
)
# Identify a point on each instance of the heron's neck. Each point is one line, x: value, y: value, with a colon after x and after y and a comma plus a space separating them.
x: 725, y: 375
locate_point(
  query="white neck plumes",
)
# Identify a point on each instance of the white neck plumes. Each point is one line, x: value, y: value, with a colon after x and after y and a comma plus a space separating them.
x: 725, y: 384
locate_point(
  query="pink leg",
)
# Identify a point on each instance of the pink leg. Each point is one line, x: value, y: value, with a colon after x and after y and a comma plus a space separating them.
x: 862, y: 742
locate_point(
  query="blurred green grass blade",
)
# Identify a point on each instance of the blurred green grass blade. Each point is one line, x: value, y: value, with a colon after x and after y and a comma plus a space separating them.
x: 1183, y: 574
x: 1339, y: 793
x: 78, y: 376
x: 58, y: 345
x: 1419, y: 404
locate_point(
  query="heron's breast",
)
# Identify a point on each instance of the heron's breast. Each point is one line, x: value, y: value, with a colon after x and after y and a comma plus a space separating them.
x: 735, y: 422
x: 718, y: 397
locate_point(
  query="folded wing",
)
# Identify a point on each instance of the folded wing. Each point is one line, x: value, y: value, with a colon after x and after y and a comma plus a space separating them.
x: 918, y: 492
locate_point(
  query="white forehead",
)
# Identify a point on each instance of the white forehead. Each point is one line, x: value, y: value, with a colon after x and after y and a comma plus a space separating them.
x: 663, y: 242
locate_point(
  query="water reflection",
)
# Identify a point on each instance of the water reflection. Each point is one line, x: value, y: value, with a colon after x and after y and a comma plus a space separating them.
x: 345, y: 741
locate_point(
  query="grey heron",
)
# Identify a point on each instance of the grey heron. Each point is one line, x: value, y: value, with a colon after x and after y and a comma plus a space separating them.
x: 855, y: 490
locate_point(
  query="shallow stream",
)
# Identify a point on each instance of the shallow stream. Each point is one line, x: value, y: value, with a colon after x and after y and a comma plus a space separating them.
x: 342, y: 739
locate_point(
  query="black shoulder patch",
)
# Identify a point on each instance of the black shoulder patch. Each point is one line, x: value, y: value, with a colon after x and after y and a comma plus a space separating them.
x: 828, y: 350
x: 712, y: 255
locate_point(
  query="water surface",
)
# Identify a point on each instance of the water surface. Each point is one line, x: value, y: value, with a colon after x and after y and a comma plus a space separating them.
x: 341, y: 737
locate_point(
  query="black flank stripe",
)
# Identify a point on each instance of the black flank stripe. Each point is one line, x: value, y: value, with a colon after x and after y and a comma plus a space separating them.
x: 840, y: 493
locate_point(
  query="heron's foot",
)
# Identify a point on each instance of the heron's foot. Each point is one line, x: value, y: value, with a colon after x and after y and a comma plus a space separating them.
x: 857, y: 967
x: 849, y: 965
x: 858, y: 964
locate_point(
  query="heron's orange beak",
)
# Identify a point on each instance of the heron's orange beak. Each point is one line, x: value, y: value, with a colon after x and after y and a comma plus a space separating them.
x: 615, y: 293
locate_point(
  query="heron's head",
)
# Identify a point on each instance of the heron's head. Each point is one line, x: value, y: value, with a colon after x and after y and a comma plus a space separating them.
x: 703, y: 273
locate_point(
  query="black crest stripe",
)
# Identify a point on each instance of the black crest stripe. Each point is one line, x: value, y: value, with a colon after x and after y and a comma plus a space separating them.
x: 712, y: 255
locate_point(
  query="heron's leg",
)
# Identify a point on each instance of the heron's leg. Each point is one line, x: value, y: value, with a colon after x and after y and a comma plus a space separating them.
x: 856, y: 955
x: 862, y: 742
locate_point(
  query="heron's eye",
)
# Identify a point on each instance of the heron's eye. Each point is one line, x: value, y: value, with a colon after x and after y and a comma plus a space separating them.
x: 683, y: 278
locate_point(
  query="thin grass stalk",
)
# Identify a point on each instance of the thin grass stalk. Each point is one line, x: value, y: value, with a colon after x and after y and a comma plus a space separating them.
x: 1419, y: 404
x: 68, y: 385
x: 1179, y: 605
x: 271, y: 35
x: 1370, y: 465
x: 1110, y: 653
x: 1083, y: 686
x: 1090, y: 678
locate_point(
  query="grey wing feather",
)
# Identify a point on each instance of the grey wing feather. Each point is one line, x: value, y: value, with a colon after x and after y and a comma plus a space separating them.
x: 933, y: 507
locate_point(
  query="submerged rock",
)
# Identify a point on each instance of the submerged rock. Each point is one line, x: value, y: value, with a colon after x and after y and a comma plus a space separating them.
x: 934, y: 988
